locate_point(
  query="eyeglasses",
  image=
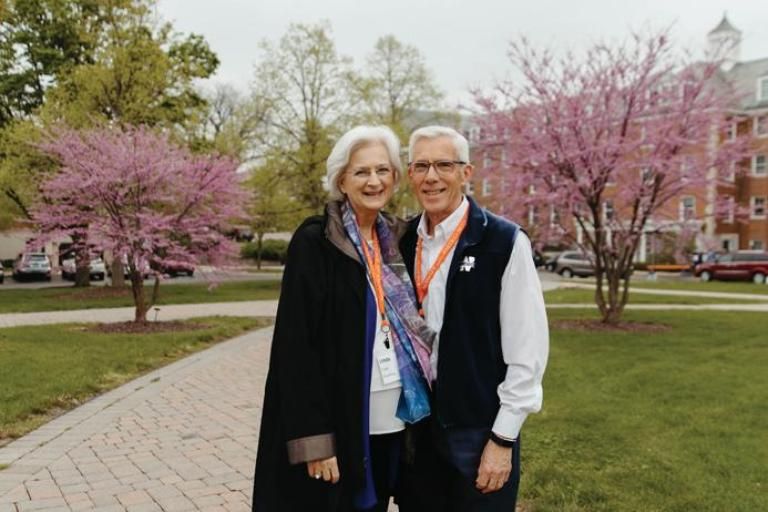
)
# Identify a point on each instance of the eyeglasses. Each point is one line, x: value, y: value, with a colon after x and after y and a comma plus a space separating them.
x: 443, y: 167
x: 364, y: 173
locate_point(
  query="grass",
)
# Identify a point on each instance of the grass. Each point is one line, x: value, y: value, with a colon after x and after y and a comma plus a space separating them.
x: 671, y: 421
x: 69, y: 298
x: 700, y: 286
x: 578, y: 295
x: 45, y: 370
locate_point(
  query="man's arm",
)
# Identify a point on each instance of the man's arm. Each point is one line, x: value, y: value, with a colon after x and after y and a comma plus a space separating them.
x: 525, y: 346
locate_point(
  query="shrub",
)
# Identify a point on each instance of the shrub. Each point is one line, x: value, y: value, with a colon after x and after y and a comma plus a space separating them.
x: 271, y: 250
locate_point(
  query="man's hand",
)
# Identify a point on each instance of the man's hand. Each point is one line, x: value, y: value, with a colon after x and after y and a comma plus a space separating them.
x: 327, y: 469
x: 495, y: 468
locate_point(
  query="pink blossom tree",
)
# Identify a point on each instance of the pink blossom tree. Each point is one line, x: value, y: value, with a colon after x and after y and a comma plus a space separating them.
x: 137, y: 194
x: 600, y: 149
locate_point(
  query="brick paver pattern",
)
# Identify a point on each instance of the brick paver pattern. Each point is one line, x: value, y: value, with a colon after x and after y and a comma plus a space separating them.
x: 181, y: 438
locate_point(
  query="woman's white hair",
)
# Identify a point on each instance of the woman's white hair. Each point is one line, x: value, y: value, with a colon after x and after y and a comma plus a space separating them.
x: 347, y: 144
x: 434, y: 132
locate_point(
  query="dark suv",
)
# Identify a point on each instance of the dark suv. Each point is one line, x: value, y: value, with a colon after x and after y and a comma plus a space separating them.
x: 740, y: 265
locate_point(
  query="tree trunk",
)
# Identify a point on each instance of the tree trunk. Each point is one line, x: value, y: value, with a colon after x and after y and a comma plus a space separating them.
x: 137, y: 287
x: 82, y: 268
x: 118, y: 273
x: 259, y: 247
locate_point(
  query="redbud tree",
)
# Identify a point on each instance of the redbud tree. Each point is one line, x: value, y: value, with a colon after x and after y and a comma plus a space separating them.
x: 137, y: 194
x: 603, y: 147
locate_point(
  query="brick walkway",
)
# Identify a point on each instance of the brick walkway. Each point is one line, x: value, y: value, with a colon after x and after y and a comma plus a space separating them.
x: 180, y: 438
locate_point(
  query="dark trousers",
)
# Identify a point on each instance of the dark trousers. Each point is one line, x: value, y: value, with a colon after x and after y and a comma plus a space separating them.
x: 385, y: 465
x: 438, y: 472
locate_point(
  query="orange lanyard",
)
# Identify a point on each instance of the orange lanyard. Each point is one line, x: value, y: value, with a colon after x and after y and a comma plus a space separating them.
x: 374, y: 267
x: 422, y: 285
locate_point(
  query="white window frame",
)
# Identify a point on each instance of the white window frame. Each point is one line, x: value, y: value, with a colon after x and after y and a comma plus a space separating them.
x: 762, y: 82
x: 469, y: 188
x: 683, y: 208
x: 756, y: 245
x: 731, y: 176
x: 486, y: 187
x: 731, y: 131
x: 752, y: 203
x: 731, y: 211
x: 612, y: 209
x: 533, y: 213
x: 764, y: 172
x: 486, y: 160
x: 757, y: 126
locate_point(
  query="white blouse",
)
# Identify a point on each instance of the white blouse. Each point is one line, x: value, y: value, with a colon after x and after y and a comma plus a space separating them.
x: 384, y: 397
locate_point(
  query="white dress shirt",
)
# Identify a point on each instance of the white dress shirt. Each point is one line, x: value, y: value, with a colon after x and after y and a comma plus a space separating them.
x: 522, y: 315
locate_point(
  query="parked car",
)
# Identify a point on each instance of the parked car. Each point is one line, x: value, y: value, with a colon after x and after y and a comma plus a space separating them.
x: 574, y: 263
x: 145, y: 270
x: 98, y: 269
x: 550, y: 260
x: 739, y: 265
x: 32, y: 265
x: 538, y: 259
x: 175, y: 269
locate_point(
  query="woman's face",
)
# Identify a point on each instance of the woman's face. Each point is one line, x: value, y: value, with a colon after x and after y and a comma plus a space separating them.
x: 369, y: 178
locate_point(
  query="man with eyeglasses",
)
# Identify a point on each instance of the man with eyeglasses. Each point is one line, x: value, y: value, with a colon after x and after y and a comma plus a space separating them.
x: 478, y: 288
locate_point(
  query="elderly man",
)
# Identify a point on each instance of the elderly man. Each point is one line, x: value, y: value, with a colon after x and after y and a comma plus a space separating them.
x: 478, y: 288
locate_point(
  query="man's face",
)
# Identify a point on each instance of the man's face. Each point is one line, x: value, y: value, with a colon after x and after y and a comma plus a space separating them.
x: 439, y: 192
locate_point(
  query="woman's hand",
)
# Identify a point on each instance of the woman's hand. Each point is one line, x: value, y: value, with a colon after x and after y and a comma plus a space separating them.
x: 327, y: 469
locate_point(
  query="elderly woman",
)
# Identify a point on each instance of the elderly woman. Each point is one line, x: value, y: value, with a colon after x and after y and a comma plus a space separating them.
x: 350, y: 353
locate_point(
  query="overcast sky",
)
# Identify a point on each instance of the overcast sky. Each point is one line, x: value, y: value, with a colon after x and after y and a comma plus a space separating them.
x: 463, y: 41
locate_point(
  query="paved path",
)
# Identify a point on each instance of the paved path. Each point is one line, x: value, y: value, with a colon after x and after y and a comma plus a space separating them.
x: 169, y: 312
x: 670, y: 307
x: 181, y: 438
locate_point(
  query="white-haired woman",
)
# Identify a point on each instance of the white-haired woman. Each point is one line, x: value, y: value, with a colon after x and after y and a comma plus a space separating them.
x: 350, y: 353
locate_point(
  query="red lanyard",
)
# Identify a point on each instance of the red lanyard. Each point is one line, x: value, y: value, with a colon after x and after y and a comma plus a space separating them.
x: 422, y: 285
x: 375, y: 270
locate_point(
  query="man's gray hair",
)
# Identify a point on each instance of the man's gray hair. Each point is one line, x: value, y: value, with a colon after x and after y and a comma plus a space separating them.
x: 347, y: 144
x: 434, y: 132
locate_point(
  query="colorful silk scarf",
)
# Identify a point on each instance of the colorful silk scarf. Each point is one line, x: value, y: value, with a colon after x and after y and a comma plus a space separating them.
x: 409, y: 332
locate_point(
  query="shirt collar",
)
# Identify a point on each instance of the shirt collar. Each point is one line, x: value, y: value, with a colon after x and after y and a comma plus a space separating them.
x: 445, y: 228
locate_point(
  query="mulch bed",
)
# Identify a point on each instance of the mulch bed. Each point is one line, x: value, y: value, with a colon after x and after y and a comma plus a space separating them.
x: 597, y: 325
x: 145, y: 328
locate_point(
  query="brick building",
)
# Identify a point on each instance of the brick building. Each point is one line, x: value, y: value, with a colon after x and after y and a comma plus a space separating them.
x: 747, y: 189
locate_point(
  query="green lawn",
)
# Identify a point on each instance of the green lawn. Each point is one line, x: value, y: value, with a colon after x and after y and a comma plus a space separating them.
x: 47, y: 369
x: 578, y: 295
x: 668, y: 421
x: 67, y: 298
x: 699, y: 286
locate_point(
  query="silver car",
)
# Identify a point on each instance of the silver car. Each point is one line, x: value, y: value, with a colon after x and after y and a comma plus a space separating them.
x: 32, y: 265
x: 574, y: 263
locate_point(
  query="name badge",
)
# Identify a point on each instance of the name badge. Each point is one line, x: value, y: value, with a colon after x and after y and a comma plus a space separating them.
x: 388, y: 367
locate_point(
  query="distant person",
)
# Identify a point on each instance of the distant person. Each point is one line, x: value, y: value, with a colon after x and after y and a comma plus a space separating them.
x: 478, y: 288
x: 350, y: 354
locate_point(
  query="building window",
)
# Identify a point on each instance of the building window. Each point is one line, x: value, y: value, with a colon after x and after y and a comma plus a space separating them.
x: 687, y: 208
x: 469, y: 188
x: 554, y: 216
x: 759, y: 165
x: 757, y: 207
x: 761, y: 126
x: 730, y: 131
x: 756, y: 245
x: 762, y: 88
x: 646, y: 175
x: 474, y: 134
x: 486, y: 187
x: 730, y: 210
x: 533, y: 215
x: 486, y: 160
x: 730, y: 175
x: 608, y: 212
x: 503, y: 156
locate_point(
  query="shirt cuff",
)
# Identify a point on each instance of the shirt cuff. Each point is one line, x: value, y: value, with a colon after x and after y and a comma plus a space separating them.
x: 508, y: 423
x: 307, y: 449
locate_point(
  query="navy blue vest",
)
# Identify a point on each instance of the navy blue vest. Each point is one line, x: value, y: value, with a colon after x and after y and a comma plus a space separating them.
x: 470, y: 362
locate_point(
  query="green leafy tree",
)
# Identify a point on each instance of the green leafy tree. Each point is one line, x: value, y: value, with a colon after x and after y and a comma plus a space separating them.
x: 306, y: 89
